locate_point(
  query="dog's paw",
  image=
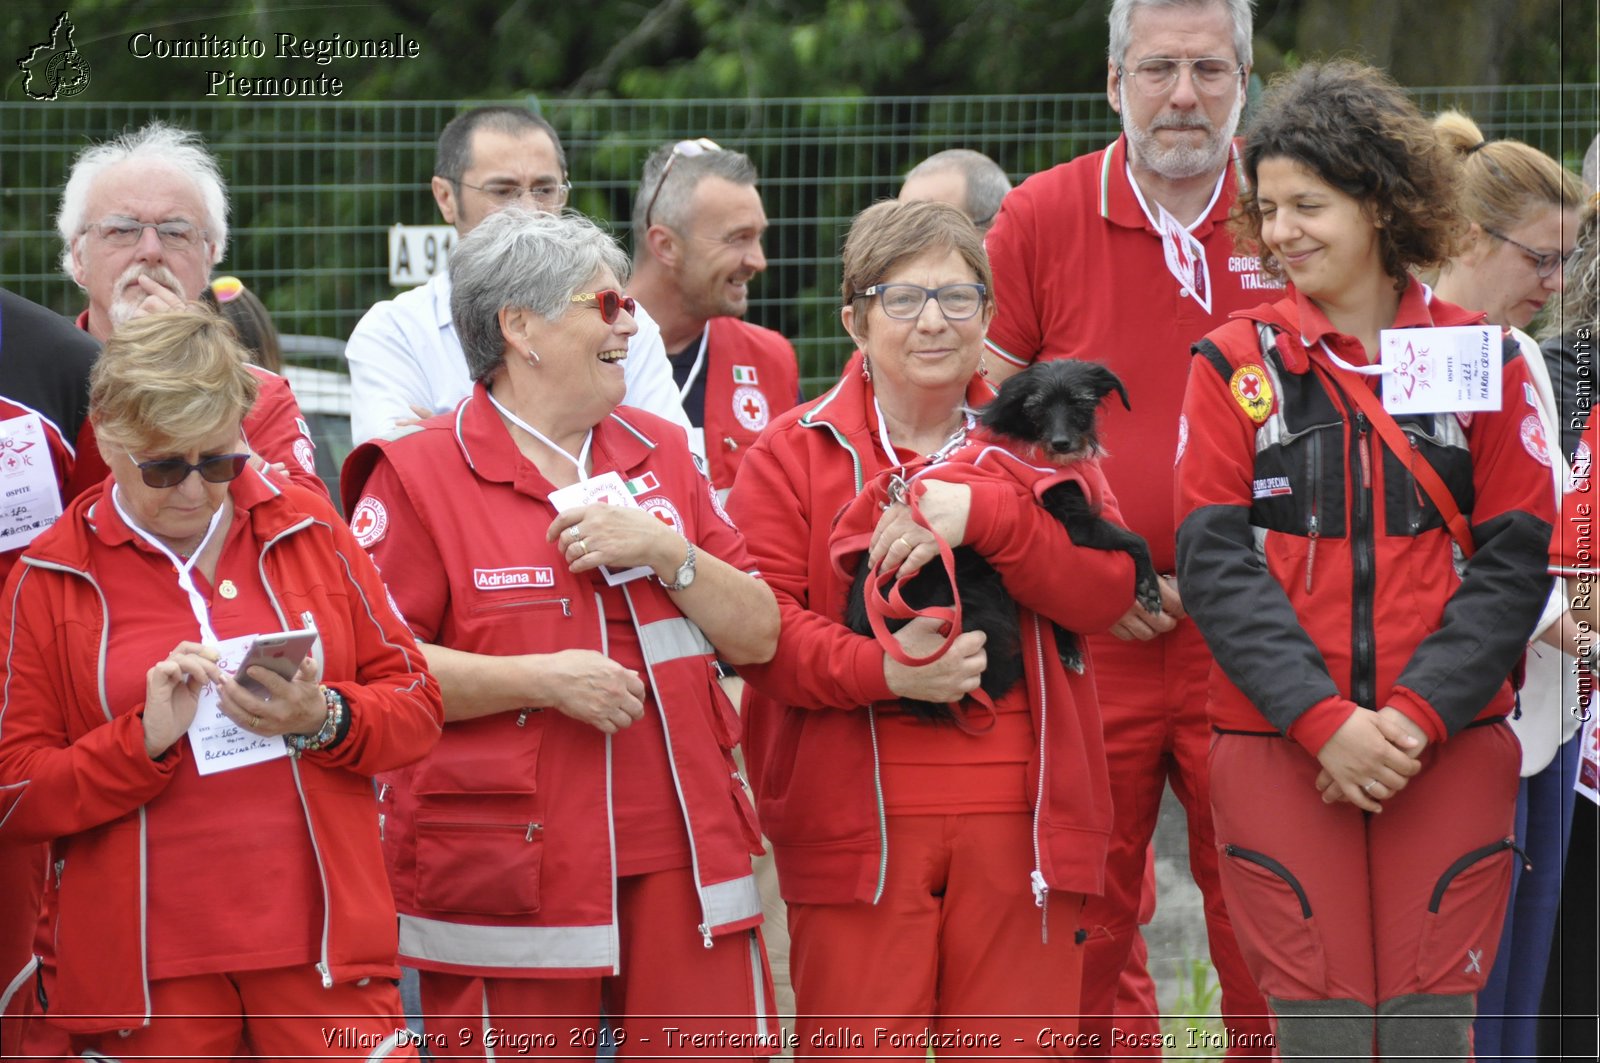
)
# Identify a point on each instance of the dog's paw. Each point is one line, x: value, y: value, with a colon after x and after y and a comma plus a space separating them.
x: 1147, y: 590
x: 1067, y: 649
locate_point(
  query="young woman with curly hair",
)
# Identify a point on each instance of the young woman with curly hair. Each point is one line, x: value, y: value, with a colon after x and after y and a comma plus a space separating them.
x: 1363, y: 779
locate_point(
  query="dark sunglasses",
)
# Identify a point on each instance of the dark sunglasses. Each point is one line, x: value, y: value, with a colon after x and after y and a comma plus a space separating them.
x: 609, y: 301
x: 170, y: 472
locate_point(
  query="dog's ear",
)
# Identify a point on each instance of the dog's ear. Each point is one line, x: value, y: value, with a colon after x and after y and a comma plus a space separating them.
x: 1004, y: 414
x: 1105, y: 382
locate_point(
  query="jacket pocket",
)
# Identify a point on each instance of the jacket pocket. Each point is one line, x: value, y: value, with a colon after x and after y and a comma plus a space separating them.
x: 725, y: 721
x: 1277, y: 931
x: 479, y: 868
x: 1466, y: 912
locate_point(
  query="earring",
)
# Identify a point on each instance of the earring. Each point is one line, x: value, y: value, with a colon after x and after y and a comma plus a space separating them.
x: 983, y: 365
x: 533, y: 356
x: 866, y: 369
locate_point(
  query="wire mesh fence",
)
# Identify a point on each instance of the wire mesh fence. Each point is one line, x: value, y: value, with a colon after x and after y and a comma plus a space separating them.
x: 315, y: 187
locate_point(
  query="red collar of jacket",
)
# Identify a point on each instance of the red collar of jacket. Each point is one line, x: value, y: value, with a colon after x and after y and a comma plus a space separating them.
x: 273, y: 508
x: 621, y: 441
x: 1296, y: 315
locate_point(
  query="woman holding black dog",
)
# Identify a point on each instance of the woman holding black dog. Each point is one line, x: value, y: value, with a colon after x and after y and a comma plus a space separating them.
x: 932, y: 870
x: 1367, y: 580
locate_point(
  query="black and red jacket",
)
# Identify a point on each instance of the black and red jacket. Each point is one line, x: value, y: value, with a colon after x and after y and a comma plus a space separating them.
x: 1321, y: 574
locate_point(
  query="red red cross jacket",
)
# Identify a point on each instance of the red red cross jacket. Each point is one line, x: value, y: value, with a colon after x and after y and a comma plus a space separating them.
x: 1321, y: 574
x: 497, y: 842
x: 73, y: 769
x: 811, y: 730
x: 751, y: 377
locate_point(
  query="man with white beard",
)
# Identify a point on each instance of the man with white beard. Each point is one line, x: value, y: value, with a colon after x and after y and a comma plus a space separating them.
x: 1123, y: 257
x: 143, y: 218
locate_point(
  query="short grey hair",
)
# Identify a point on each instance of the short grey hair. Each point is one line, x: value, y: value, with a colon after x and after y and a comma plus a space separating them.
x: 987, y: 183
x: 1241, y: 12
x: 672, y: 206
x: 528, y: 259
x: 179, y: 149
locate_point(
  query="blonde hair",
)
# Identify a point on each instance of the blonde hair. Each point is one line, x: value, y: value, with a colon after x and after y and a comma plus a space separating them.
x: 166, y: 380
x: 1504, y: 183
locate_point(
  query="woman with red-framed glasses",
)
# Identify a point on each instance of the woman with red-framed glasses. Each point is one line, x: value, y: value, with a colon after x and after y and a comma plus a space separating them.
x: 580, y: 841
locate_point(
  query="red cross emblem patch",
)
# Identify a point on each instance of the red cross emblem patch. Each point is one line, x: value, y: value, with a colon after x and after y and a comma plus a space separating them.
x: 1252, y: 392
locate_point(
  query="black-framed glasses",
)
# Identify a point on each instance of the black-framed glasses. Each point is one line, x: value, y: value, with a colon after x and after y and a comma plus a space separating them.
x: 609, y: 302
x: 1211, y: 75
x: 687, y: 149
x: 904, y: 302
x: 1544, y: 262
x: 504, y: 193
x: 175, y: 235
x: 170, y: 472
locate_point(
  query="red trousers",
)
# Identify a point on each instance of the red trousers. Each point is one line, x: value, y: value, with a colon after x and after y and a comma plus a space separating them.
x: 279, y: 1014
x: 1332, y: 903
x: 672, y: 998
x: 1152, y: 705
x: 952, y: 956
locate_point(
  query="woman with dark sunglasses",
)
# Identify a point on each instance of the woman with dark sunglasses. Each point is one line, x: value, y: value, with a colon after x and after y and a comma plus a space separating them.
x: 217, y: 886
x: 580, y: 841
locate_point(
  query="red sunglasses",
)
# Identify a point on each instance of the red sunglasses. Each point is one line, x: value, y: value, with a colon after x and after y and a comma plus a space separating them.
x: 609, y: 301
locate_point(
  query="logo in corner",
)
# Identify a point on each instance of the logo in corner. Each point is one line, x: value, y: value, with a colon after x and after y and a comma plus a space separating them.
x: 1252, y: 392
x: 55, y: 69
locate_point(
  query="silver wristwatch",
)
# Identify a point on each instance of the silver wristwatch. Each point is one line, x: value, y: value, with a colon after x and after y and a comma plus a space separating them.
x: 685, y: 574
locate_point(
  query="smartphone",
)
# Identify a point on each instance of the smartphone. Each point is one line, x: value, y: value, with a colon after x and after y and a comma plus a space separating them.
x: 282, y: 652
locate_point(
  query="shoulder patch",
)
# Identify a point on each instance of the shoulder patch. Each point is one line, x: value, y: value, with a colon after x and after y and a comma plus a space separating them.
x: 1533, y: 440
x: 369, y: 521
x: 1252, y: 391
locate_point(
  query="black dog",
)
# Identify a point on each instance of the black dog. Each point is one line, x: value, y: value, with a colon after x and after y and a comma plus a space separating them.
x: 1048, y: 413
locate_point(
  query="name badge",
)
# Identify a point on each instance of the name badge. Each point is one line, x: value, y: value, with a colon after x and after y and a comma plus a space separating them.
x: 31, y: 496
x: 1440, y: 370
x: 607, y: 489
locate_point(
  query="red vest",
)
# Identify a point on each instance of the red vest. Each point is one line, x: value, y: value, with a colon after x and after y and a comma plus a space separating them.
x: 751, y: 377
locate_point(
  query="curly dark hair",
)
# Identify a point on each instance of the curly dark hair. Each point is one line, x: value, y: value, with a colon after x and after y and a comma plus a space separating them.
x: 1356, y: 129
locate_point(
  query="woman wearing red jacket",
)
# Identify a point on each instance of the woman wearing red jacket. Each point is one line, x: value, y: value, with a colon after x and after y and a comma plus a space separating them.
x: 222, y: 896
x: 932, y: 873
x: 1367, y: 582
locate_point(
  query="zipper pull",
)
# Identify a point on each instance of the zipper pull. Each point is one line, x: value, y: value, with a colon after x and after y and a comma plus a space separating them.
x: 522, y: 718
x: 705, y: 935
x: 566, y: 607
x: 381, y: 819
x: 1041, y: 893
x: 383, y: 792
x: 1313, y: 533
x: 533, y: 826
x: 60, y: 866
x: 327, y: 979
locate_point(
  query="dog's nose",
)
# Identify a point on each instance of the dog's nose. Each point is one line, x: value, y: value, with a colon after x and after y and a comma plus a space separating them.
x: 1062, y: 444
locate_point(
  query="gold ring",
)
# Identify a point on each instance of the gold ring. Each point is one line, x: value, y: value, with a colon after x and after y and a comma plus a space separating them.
x: 903, y: 541
x: 583, y: 547
x: 255, y: 723
x: 1367, y: 789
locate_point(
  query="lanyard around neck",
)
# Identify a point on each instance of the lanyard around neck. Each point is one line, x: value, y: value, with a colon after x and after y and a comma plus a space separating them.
x: 1149, y: 216
x: 581, y: 462
x: 699, y: 363
x: 1370, y: 369
x: 185, y: 567
x: 894, y: 456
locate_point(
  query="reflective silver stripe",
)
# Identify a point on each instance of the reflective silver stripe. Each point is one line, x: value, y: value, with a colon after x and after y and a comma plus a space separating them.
x: 758, y: 971
x: 668, y: 640
x: 22, y: 979
x: 731, y: 902
x: 531, y: 947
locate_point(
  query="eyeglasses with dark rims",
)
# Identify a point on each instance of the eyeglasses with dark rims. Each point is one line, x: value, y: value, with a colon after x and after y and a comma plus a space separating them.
x: 904, y: 302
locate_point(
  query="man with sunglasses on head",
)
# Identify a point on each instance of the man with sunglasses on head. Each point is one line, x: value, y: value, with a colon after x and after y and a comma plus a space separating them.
x: 1123, y: 256
x: 143, y: 219
x: 697, y: 228
x: 405, y: 356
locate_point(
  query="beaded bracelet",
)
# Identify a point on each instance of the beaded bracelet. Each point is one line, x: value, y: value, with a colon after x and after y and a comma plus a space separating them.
x: 332, y: 726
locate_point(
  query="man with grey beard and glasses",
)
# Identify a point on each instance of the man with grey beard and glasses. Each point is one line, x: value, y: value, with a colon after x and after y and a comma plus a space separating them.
x: 143, y: 219
x: 1123, y: 257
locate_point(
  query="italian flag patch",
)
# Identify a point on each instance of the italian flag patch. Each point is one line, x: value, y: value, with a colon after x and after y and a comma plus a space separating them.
x: 744, y: 374
x: 640, y: 484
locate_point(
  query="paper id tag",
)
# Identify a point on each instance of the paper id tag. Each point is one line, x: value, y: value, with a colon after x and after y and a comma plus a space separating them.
x: 30, y: 497
x: 219, y: 744
x: 1186, y: 258
x: 1440, y: 370
x: 607, y: 489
